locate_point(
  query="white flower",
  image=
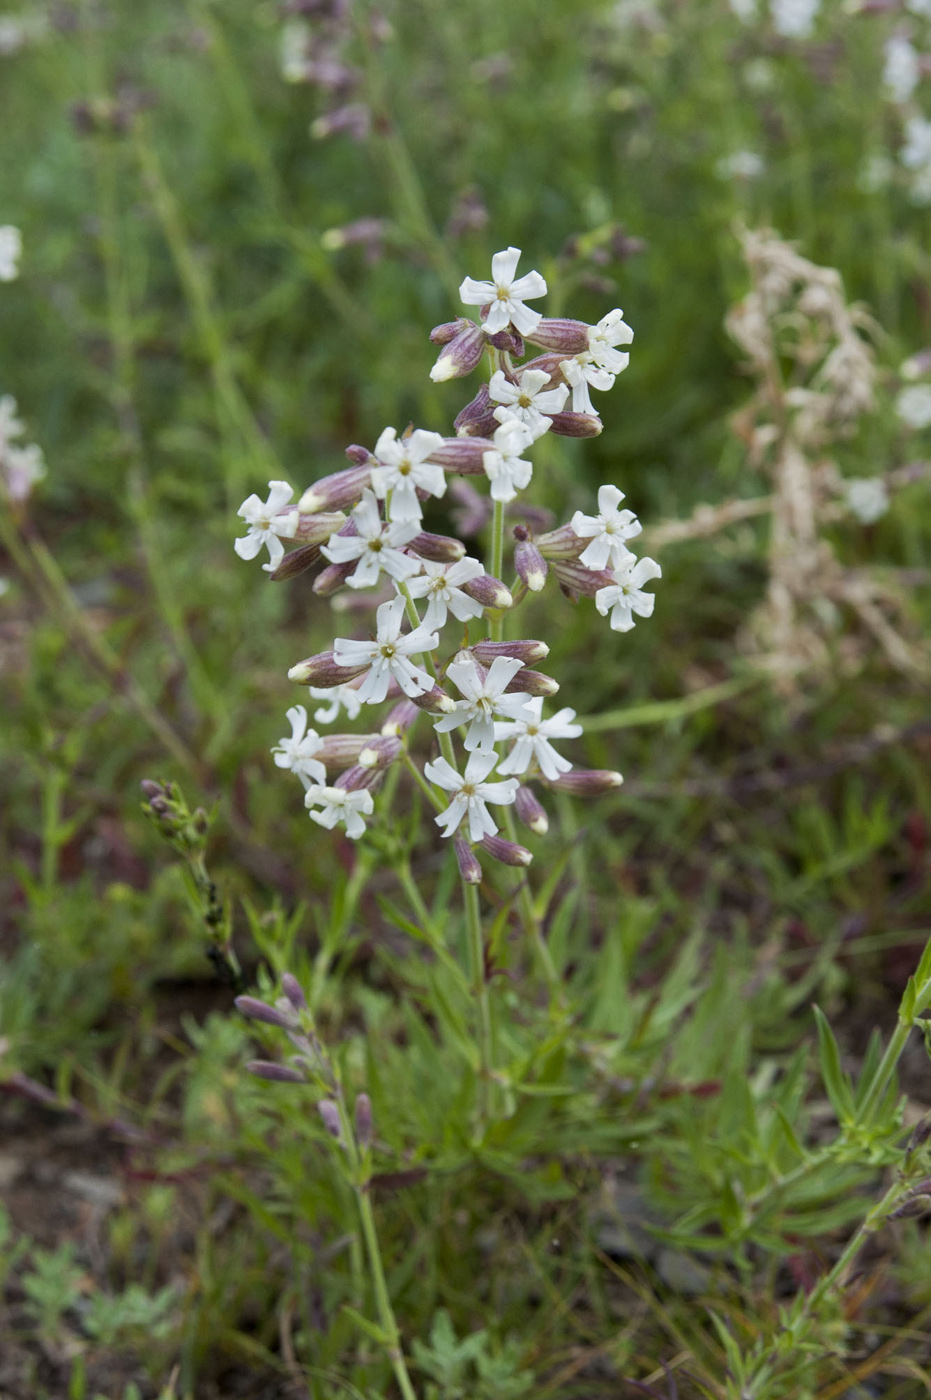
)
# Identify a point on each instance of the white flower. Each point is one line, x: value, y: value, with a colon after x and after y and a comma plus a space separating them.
x: 581, y: 372
x: 610, y: 331
x: 867, y: 498
x: 340, y: 806
x: 919, y: 7
x: 441, y: 584
x: 21, y: 468
x: 916, y: 153
x: 624, y: 596
x: 377, y: 545
x: 506, y: 295
x: 339, y: 698
x: 265, y: 524
x: 913, y: 406
x: 527, y: 401
x: 11, y: 247
x: 10, y: 426
x: 4, y: 586
x: 902, y: 68
x: 472, y: 792
x: 533, y: 736
x: 403, y: 465
x: 794, y: 19
x: 607, y: 530
x: 741, y: 165
x: 297, y: 753
x: 744, y: 10
x: 388, y: 655
x: 504, y: 466
x: 484, y: 698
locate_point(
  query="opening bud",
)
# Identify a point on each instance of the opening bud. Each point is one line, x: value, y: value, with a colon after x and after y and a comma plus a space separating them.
x: 329, y: 1116
x: 587, y: 782
x: 257, y: 1010
x: 507, y: 852
x: 477, y: 419
x: 530, y: 565
x: 380, y: 753
x: 527, y: 651
x: 469, y: 867
x: 577, y: 425
x: 335, y: 492
x: 575, y: 579
x: 322, y: 670
x: 296, y: 561
x: 533, y: 683
x: 356, y: 778
x: 435, y: 699
x: 317, y: 529
x: 531, y: 812
x: 461, y: 355
x: 488, y: 591
x: 279, y: 1074
x: 442, y: 549
x: 442, y: 335
x: 566, y: 337
x: 359, y: 456
x: 463, y: 454
x: 400, y: 718
x: 510, y: 340
x: 339, y: 750
x: 331, y: 579
x: 364, y: 1121
x: 562, y: 543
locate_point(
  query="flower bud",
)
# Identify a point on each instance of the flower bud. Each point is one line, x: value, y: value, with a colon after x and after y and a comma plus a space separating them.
x: 357, y: 777
x: 577, y: 425
x: 529, y: 565
x: 469, y: 867
x: 334, y: 492
x: 488, y: 591
x: 331, y: 579
x: 339, y: 750
x: 435, y: 699
x: 460, y: 357
x: 530, y: 811
x: 364, y: 1121
x: 442, y: 549
x: 477, y: 418
x: 915, y: 1206
x: 329, y: 1116
x: 322, y: 670
x: 463, y: 454
x: 509, y: 340
x: 532, y: 683
x: 379, y: 753
x: 549, y: 365
x: 317, y: 529
x: 524, y: 650
x: 295, y: 562
x: 587, y: 782
x: 358, y: 456
x: 354, y: 119
x: 574, y: 579
x: 566, y: 337
x: 257, y: 1010
x: 281, y: 1074
x: 400, y: 718
x: 292, y: 990
x: 151, y: 789
x: 367, y: 233
x: 442, y: 335
x: 507, y: 852
x: 562, y: 543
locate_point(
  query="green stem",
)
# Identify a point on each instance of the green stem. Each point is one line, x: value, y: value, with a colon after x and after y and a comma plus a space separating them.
x: 884, y: 1072
x: 496, y: 567
x: 532, y: 925
x: 482, y: 999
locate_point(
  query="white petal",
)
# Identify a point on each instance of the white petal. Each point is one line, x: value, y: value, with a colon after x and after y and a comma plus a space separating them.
x: 503, y: 267
x: 248, y: 546
x: 474, y: 293
x: 523, y: 319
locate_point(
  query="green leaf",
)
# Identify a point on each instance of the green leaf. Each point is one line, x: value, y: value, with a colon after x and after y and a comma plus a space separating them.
x: 836, y: 1082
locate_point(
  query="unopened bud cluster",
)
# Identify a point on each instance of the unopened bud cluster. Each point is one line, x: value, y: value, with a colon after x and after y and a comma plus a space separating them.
x: 436, y: 646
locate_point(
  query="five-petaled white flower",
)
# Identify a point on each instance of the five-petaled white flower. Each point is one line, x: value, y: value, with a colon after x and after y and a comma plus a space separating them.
x: 472, y: 792
x: 388, y: 655
x: 624, y: 596
x: 11, y: 247
x: 527, y: 401
x: 610, y: 331
x: 339, y: 698
x: 297, y: 753
x: 505, y: 468
x: 506, y: 295
x: 339, y: 805
x: 376, y: 544
x: 441, y: 584
x: 607, y: 530
x: 266, y: 523
x: 581, y: 372
x: 403, y: 465
x: 533, y: 737
x: 484, y: 698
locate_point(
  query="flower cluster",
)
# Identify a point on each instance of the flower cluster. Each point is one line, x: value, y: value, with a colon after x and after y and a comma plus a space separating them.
x: 363, y: 529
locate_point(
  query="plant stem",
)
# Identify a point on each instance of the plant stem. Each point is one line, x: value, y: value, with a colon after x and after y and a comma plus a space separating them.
x: 482, y: 999
x: 884, y: 1072
x: 531, y: 923
x: 496, y: 566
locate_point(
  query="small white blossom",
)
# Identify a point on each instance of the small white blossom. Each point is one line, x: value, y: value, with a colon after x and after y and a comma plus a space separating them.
x: 472, y: 792
x: 913, y: 406
x: 902, y: 68
x: 625, y: 596
x: 581, y: 373
x: 741, y: 165
x: 505, y: 468
x: 441, y: 584
x: 20, y: 469
x: 266, y: 524
x: 794, y: 19
x: 916, y: 156
x: 867, y: 498
x: 339, y: 698
x: 10, y: 426
x: 507, y: 295
x: 297, y: 752
x: 340, y: 806
x: 4, y: 586
x: 484, y: 699
x: 377, y: 545
x: 403, y: 465
x: 608, y: 530
x: 744, y: 10
x: 527, y: 401
x: 611, y: 330
x: 533, y: 735
x: 388, y: 655
x: 11, y: 247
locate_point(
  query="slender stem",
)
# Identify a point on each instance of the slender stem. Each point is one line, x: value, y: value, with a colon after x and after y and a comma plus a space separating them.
x: 480, y: 991
x: 496, y: 566
x: 884, y: 1072
x: 421, y: 781
x: 532, y: 925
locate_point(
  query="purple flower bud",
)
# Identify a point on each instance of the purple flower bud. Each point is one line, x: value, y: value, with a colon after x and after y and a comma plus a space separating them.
x: 565, y: 337
x: 364, y: 1121
x: 400, y: 718
x: 587, y: 782
x: 357, y: 777
x: 442, y: 549
x: 295, y: 562
x: 359, y: 456
x: 469, y: 866
x: 339, y: 750
x: 435, y: 699
x: 150, y: 789
x: 259, y: 1011
x: 280, y: 1074
x: 562, y: 543
x: 322, y: 670
x: 575, y: 579
x: 524, y: 650
x: 329, y: 1115
x: 488, y: 591
x: 530, y: 565
x: 331, y: 579
x: 336, y: 491
x: 577, y: 425
x: 354, y: 119
x: 533, y: 683
x: 463, y: 454
x: 369, y: 233
x: 479, y: 410
x: 530, y: 811
x: 461, y: 355
x: 510, y: 340
x: 380, y: 753
x: 317, y: 529
x: 442, y: 335
x: 549, y: 364
x: 507, y: 852
x: 292, y: 990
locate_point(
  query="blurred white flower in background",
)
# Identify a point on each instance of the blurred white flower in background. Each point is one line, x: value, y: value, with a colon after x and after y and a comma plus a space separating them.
x: 902, y: 68
x: 742, y: 165
x: 875, y: 173
x: 794, y: 19
x: 914, y: 406
x: 916, y: 156
x: 867, y: 498
x: 11, y: 247
x: 744, y: 9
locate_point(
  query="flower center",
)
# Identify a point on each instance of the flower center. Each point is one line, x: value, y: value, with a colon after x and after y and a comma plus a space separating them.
x: 468, y: 789
x: 503, y: 294
x: 404, y: 467
x: 532, y: 729
x: 388, y: 650
x: 525, y: 401
x: 375, y: 545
